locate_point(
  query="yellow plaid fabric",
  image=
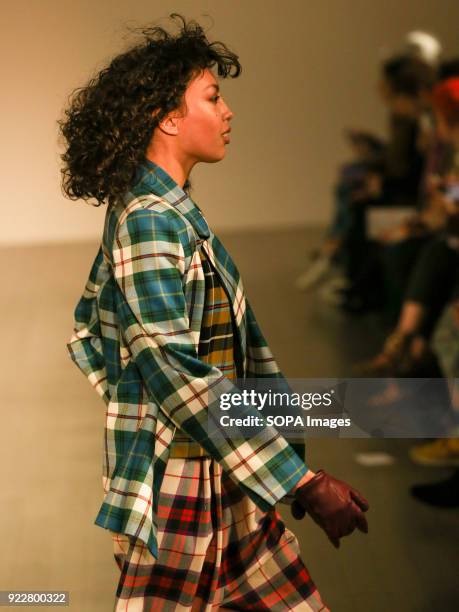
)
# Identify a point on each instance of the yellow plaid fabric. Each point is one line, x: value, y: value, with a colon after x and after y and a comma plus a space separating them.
x: 216, y: 347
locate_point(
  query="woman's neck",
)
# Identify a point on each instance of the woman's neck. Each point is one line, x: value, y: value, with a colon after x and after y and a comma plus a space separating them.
x: 177, y: 169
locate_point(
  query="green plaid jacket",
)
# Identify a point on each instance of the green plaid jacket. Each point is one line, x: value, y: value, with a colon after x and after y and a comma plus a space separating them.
x: 136, y: 339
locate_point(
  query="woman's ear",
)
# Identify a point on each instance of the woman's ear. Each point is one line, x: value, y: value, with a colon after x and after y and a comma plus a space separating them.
x: 169, y: 125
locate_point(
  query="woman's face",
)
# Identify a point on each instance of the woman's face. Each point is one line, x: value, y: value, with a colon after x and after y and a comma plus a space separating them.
x: 204, y: 126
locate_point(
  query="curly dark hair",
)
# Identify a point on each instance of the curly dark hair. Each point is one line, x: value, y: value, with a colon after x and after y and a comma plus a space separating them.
x: 109, y: 122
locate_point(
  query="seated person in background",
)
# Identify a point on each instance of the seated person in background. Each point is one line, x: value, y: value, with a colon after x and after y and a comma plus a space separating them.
x: 443, y: 452
x: 434, y: 280
x: 378, y: 172
x: 390, y: 257
x: 439, y: 153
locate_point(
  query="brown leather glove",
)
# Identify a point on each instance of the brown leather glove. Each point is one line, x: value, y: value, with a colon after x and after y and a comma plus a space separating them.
x: 334, y: 505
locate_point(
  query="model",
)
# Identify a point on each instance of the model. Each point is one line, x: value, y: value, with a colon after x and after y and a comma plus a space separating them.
x: 162, y: 330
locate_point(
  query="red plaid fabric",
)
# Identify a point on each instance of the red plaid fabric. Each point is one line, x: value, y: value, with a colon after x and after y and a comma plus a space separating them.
x: 216, y: 549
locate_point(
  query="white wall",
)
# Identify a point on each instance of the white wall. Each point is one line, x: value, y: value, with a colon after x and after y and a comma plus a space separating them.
x: 309, y: 70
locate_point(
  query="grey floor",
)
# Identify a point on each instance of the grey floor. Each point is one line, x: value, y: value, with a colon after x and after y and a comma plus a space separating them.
x: 51, y: 442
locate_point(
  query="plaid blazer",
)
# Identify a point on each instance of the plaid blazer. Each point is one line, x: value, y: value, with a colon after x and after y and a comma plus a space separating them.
x: 136, y: 338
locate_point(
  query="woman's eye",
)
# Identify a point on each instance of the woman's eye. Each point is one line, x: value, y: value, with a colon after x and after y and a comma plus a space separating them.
x: 215, y: 98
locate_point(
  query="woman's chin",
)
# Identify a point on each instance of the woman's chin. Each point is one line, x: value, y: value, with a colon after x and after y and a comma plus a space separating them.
x: 213, y: 158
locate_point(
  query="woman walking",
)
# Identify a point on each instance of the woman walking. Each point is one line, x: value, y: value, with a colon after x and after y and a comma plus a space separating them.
x: 162, y: 330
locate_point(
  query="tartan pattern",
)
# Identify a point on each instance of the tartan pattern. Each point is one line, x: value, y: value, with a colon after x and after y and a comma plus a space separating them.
x: 216, y: 548
x: 136, y: 338
x: 215, y: 347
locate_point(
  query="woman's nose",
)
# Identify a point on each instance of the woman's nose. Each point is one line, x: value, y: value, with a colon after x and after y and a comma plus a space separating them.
x: 227, y: 112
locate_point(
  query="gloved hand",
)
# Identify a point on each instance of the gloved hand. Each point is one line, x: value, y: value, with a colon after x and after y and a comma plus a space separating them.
x: 333, y: 504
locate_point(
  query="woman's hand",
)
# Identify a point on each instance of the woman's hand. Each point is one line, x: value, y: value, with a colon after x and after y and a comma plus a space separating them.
x: 333, y: 504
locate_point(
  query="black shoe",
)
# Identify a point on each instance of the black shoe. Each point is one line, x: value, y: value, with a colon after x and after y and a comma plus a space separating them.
x: 443, y: 494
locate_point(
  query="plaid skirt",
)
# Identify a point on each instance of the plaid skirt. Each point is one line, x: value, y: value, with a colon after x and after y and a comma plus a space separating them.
x: 216, y: 549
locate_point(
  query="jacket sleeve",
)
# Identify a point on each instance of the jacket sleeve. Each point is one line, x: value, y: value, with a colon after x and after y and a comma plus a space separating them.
x: 85, y: 345
x: 261, y: 364
x: 149, y: 266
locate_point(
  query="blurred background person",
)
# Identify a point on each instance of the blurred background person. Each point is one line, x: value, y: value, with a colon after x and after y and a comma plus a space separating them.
x: 380, y: 172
